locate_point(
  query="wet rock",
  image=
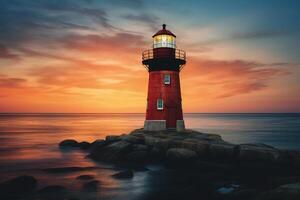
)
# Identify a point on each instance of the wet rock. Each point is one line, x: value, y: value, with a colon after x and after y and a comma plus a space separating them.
x: 140, y: 147
x: 257, y: 152
x: 200, y: 147
x: 85, y: 177
x: 123, y: 174
x: 137, y: 156
x: 84, y: 145
x: 91, y: 186
x: 113, y: 152
x: 133, y: 139
x: 222, y: 150
x: 156, y: 154
x: 112, y: 138
x: 97, y: 145
x: 284, y: 192
x: 69, y: 143
x: 53, y: 192
x: 18, y: 187
x: 179, y: 155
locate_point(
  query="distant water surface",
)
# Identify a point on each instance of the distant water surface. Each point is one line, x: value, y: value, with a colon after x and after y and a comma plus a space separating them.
x: 30, y: 141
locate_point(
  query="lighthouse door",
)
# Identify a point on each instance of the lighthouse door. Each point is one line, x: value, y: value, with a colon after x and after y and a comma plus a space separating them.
x: 171, y: 117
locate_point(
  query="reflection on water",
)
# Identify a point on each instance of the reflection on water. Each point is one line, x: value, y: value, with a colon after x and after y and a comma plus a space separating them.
x: 29, y: 143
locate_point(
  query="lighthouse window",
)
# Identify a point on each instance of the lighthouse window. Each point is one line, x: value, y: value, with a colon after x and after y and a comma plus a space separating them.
x: 160, y: 104
x: 164, y: 41
x: 167, y: 79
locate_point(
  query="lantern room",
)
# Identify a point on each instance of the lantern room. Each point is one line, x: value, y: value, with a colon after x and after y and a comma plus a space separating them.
x: 164, y: 38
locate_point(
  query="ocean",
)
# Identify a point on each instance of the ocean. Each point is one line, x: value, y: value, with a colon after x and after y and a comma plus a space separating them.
x: 29, y: 142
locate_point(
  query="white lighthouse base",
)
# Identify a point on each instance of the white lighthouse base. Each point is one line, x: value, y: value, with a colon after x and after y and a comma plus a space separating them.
x: 160, y: 125
x: 155, y: 125
x: 180, y: 125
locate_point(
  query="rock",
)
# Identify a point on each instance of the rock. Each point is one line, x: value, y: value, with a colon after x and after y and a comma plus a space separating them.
x: 156, y: 154
x: 222, y: 150
x: 68, y: 169
x: 137, y: 156
x: 112, y: 138
x: 123, y: 174
x: 85, y: 177
x: 97, y: 145
x: 91, y: 186
x: 84, y: 145
x: 180, y: 155
x: 244, y: 194
x: 53, y: 192
x: 140, y: 147
x: 18, y: 187
x: 257, y: 152
x: 69, y: 143
x: 200, y: 147
x: 284, y: 192
x: 115, y: 151
x: 133, y: 139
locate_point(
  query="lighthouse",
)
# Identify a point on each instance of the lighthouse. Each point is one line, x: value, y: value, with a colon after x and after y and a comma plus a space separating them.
x: 164, y: 63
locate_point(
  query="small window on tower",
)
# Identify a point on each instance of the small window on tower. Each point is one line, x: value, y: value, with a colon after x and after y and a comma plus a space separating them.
x: 160, y: 104
x: 167, y: 79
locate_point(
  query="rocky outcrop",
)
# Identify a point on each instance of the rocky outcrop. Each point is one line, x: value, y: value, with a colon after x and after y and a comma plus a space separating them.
x: 180, y: 155
x: 142, y: 146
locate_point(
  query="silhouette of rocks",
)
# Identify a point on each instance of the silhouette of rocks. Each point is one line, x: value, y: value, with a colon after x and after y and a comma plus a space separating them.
x: 18, y: 187
x: 91, y: 186
x: 85, y: 177
x: 53, y: 192
x: 69, y: 143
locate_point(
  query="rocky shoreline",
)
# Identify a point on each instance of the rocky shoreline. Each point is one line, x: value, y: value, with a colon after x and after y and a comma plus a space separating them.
x: 144, y: 147
x: 195, y: 165
x: 244, y: 171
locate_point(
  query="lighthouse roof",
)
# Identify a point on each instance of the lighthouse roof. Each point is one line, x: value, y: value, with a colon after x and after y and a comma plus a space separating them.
x: 164, y: 31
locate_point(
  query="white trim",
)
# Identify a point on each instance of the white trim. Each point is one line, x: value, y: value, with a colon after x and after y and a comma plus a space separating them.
x: 157, y: 104
x: 169, y: 79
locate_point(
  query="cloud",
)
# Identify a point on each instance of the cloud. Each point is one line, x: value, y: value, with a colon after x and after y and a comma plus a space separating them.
x: 7, y: 54
x: 40, y: 21
x: 256, y: 34
x: 8, y: 82
x: 149, y: 20
x: 231, y: 78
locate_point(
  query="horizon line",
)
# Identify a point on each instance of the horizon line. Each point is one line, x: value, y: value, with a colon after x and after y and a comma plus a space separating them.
x: 1, y: 113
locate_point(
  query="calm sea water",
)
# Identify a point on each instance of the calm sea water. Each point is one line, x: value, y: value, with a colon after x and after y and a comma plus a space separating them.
x: 29, y: 141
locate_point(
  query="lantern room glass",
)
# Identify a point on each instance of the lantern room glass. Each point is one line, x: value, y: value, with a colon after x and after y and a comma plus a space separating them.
x: 164, y: 41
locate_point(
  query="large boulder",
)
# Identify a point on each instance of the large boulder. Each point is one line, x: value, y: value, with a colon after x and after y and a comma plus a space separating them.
x: 18, y: 187
x: 133, y: 139
x: 68, y: 143
x: 112, y: 138
x: 115, y: 151
x: 137, y: 156
x: 201, y: 147
x: 179, y: 155
x: 84, y: 145
x: 257, y: 152
x: 222, y: 150
x: 284, y: 192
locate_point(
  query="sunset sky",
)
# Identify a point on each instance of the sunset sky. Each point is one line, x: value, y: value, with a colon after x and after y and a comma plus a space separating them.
x: 85, y: 55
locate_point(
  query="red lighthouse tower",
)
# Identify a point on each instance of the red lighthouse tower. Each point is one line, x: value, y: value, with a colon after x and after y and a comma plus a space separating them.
x: 164, y: 62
